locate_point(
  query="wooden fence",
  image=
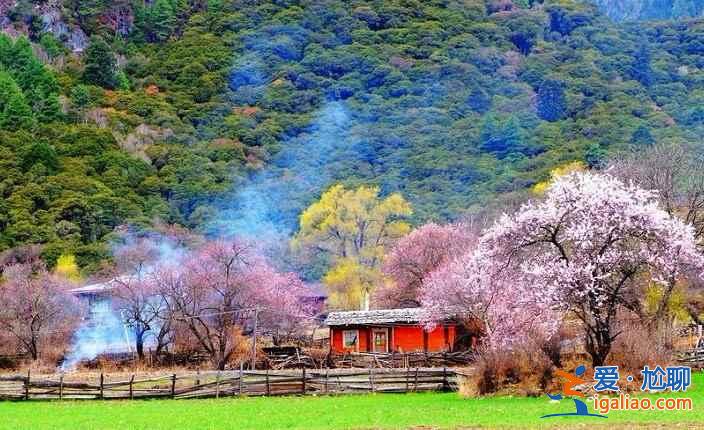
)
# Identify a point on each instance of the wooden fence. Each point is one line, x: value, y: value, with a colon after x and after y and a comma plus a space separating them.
x: 231, y: 383
x: 402, y: 360
x: 694, y: 357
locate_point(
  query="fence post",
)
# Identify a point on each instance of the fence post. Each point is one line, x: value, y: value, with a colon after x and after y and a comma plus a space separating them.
x: 102, y: 391
x: 173, y: 385
x: 415, y: 384
x: 268, y: 390
x: 326, y: 380
x: 241, y: 376
x: 61, y: 387
x: 408, y: 376
x: 197, y: 377
x: 445, y: 384
x: 304, y: 380
x: 371, y: 379
x: 217, y: 385
x: 131, y: 390
x: 26, y: 385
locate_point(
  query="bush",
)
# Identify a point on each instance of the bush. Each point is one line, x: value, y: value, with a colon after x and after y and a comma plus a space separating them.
x: 526, y: 372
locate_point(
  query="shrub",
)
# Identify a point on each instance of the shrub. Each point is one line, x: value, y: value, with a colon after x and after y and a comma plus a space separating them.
x: 524, y: 371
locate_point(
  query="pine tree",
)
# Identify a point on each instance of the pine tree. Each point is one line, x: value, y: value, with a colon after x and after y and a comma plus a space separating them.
x: 17, y: 114
x: 163, y: 20
x: 100, y: 66
x: 8, y: 88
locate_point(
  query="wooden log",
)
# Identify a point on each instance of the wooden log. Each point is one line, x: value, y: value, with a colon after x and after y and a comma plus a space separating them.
x: 326, y: 381
x: 371, y: 379
x: 61, y: 387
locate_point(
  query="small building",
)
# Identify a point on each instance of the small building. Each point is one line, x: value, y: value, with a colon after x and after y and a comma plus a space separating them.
x: 388, y: 330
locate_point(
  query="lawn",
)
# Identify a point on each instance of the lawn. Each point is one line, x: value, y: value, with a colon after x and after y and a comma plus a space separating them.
x: 379, y: 411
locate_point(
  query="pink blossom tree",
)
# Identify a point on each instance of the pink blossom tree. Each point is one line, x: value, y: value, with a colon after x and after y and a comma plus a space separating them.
x: 587, y: 248
x: 216, y: 289
x: 35, y: 306
x: 416, y: 256
x: 136, y: 295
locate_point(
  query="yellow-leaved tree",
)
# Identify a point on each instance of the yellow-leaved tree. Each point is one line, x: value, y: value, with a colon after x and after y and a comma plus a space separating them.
x: 66, y: 266
x: 562, y: 170
x: 353, y: 228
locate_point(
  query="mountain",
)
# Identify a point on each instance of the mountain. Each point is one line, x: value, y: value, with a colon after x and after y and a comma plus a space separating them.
x: 635, y: 10
x: 226, y: 115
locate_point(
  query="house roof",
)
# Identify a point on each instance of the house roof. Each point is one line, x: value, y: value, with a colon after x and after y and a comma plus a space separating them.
x: 380, y: 316
x: 99, y: 287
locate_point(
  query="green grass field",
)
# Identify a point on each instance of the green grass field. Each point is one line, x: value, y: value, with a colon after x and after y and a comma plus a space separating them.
x: 379, y: 411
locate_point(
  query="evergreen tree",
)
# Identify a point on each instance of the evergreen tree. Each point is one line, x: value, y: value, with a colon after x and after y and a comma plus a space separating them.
x: 8, y: 88
x: 100, y: 66
x: 163, y: 20
x: 17, y: 114
x: 552, y: 104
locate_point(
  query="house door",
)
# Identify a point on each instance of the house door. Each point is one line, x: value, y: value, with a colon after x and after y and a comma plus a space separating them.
x: 380, y: 339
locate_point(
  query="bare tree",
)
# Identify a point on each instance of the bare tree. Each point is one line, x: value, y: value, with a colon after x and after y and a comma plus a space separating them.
x: 676, y: 171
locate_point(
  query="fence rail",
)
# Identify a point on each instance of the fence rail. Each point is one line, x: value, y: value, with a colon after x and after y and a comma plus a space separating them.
x: 402, y: 360
x: 694, y: 357
x: 232, y: 383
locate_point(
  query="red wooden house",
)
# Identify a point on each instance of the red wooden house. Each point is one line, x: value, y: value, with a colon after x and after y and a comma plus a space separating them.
x: 388, y: 330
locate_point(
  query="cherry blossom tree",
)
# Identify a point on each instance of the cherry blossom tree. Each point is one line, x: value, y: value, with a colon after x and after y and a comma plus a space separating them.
x: 587, y: 248
x: 676, y: 171
x: 215, y: 290
x: 416, y: 256
x: 35, y: 306
x: 478, y: 289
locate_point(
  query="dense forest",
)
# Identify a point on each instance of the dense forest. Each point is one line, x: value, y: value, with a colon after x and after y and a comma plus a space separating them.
x: 201, y: 112
x: 633, y: 10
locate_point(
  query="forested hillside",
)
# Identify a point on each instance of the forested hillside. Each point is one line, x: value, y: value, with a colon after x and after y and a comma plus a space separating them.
x: 171, y: 111
x: 633, y: 10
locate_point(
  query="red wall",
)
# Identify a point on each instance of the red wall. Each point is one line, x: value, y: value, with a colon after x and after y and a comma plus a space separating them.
x: 408, y: 338
x: 405, y: 338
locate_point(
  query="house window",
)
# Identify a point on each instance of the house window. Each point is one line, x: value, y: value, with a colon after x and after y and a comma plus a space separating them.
x: 349, y: 339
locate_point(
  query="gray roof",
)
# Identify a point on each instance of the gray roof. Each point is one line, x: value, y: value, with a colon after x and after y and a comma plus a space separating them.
x: 380, y: 316
x: 100, y: 287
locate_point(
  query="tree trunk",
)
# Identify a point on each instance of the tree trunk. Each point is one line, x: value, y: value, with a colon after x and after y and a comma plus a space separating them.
x: 598, y: 344
x: 139, y: 343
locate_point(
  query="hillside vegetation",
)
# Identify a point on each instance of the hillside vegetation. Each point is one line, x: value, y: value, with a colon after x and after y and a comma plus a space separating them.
x: 166, y: 112
x: 633, y: 10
